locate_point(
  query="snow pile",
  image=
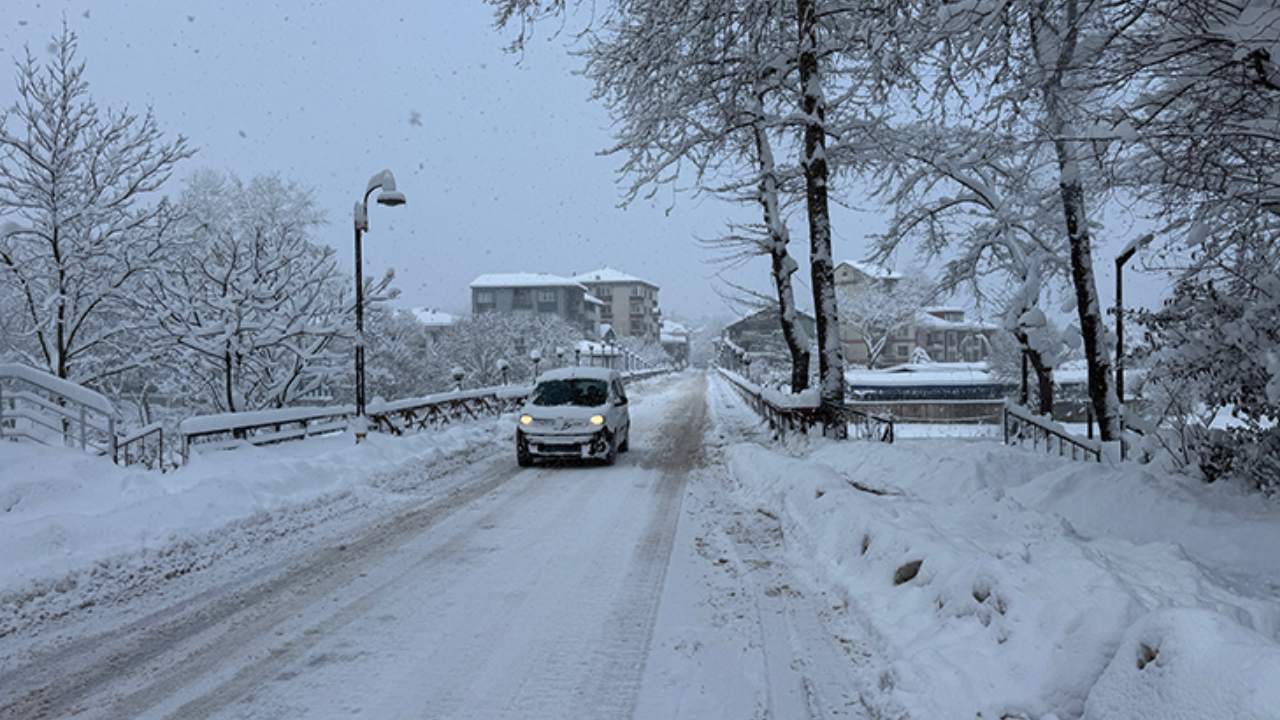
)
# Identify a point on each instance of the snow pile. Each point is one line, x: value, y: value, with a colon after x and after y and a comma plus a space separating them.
x: 62, y: 510
x: 1189, y: 664
x: 1003, y: 584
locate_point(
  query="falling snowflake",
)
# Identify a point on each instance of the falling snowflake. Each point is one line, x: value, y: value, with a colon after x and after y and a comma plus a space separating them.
x: 415, y: 118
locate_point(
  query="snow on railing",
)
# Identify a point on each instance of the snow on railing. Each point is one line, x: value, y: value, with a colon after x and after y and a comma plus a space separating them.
x: 785, y: 412
x: 50, y: 409
x: 1020, y: 425
x: 261, y: 427
x: 264, y: 427
x: 152, y: 457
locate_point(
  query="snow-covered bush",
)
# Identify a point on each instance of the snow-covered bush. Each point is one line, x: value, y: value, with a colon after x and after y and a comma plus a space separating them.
x: 1216, y: 342
x: 478, y: 342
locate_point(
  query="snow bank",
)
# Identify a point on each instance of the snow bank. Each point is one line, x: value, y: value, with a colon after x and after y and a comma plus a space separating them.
x: 1005, y: 583
x: 62, y: 510
x: 1189, y: 664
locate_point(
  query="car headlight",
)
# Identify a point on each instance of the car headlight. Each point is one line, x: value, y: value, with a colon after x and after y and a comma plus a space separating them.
x: 597, y: 419
x: 526, y: 419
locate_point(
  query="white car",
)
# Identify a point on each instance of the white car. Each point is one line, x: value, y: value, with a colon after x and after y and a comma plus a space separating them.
x: 575, y: 412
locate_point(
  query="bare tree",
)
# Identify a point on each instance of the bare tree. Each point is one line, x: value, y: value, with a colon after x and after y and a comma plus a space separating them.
x: 252, y: 308
x: 79, y: 232
x: 1043, y: 72
x: 984, y: 204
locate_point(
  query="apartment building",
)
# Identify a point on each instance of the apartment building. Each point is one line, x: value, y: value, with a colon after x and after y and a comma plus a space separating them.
x: 541, y: 293
x: 630, y: 303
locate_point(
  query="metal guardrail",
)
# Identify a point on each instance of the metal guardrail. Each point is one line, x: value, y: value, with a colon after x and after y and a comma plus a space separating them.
x: 143, y: 452
x: 1019, y: 428
x: 48, y: 409
x: 265, y: 427
x: 783, y: 419
x: 397, y: 417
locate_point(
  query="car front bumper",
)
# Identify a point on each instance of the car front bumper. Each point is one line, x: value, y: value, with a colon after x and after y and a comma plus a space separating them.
x: 576, y: 445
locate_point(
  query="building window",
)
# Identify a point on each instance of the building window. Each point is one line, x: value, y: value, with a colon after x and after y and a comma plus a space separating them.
x: 484, y: 297
x: 604, y: 293
x: 546, y: 295
x: 521, y: 298
x: 637, y: 291
x: 903, y: 351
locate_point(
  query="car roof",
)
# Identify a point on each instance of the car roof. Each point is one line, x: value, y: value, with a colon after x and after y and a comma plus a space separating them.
x: 586, y: 373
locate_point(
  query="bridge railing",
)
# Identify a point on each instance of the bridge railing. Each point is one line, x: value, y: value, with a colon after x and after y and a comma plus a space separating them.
x: 789, y: 414
x: 396, y: 417
x: 1021, y: 427
x: 43, y: 408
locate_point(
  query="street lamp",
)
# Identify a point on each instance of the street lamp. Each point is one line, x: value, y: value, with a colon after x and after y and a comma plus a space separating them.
x: 458, y: 375
x: 577, y: 356
x: 389, y: 196
x: 1121, y: 259
x: 535, y: 355
x: 559, y: 356
x: 503, y: 366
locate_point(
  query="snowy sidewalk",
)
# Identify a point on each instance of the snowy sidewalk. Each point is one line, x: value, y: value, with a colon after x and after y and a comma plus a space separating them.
x: 1005, y: 584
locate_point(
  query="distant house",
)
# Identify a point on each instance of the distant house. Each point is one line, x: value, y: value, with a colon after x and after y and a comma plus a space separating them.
x: 941, y: 332
x: 761, y: 332
x: 675, y: 341
x: 538, y: 293
x: 436, y: 321
x: 630, y: 303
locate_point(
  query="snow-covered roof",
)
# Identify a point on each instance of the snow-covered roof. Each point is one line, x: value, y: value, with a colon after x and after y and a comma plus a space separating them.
x: 592, y: 299
x: 673, y: 332
x: 524, y: 279
x: 878, y: 272
x: 433, y: 317
x: 926, y: 320
x: 922, y: 374
x: 592, y: 373
x: 610, y: 275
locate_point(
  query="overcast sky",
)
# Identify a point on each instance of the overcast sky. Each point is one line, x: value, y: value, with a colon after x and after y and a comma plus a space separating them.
x: 498, y: 155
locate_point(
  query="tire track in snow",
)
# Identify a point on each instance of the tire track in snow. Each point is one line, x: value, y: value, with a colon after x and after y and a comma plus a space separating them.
x: 59, y: 683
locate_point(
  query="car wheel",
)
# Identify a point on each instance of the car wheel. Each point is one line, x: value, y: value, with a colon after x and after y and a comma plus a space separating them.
x: 612, y: 455
x: 523, y: 458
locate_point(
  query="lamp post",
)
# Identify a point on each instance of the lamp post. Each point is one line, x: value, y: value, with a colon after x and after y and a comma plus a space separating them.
x: 458, y: 375
x: 385, y: 182
x: 503, y: 366
x: 1121, y: 259
x: 535, y: 355
x: 559, y: 356
x: 577, y: 356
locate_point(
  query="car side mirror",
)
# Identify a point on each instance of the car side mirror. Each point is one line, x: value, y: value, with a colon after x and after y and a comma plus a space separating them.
x: 620, y: 401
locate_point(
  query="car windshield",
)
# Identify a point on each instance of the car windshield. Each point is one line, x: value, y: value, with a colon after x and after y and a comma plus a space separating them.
x: 574, y: 391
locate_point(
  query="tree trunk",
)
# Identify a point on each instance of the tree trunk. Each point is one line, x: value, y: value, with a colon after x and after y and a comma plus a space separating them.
x: 1101, y: 393
x: 228, y: 381
x: 783, y: 266
x: 821, y: 269
x: 1044, y: 386
x: 1044, y: 377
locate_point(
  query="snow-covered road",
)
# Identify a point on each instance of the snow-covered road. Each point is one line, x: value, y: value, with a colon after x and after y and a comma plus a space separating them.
x: 552, y: 592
